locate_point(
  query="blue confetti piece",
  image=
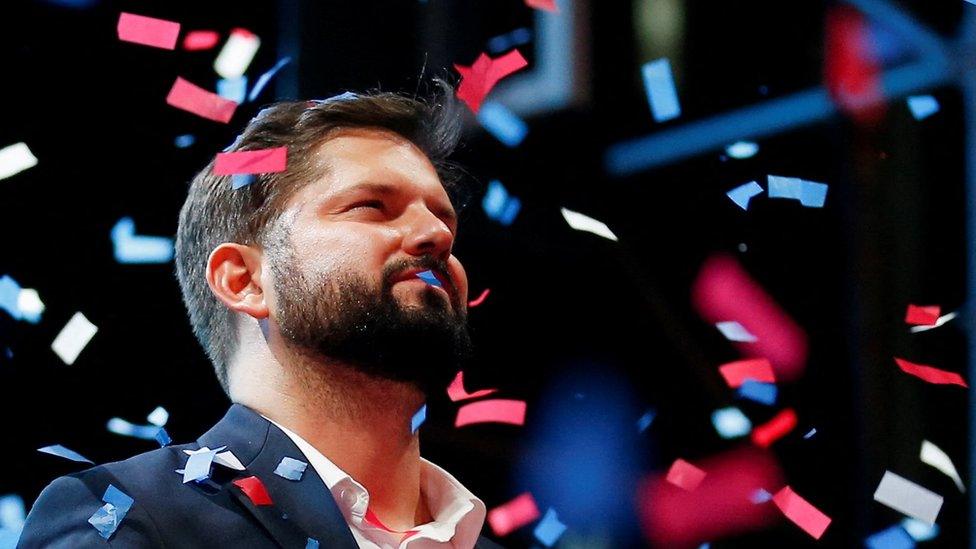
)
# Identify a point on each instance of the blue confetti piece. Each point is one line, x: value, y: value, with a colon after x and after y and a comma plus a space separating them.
x: 122, y: 501
x: 344, y: 96
x: 810, y: 433
x: 743, y: 193
x: 418, y: 419
x: 430, y: 278
x: 10, y: 297
x: 61, y: 451
x: 645, y: 421
x: 502, y: 123
x: 784, y: 187
x: 549, y: 529
x: 234, y: 89
x: 291, y: 469
x: 764, y: 393
x: 266, y: 77
x: 742, y: 149
x: 922, y: 106
x: 132, y: 248
x: 661, y: 93
x: 894, y: 537
x: 184, y: 141
x: 122, y: 427
x: 499, y: 205
x: 105, y: 520
x: 919, y: 530
x: 509, y: 40
x: 760, y: 496
x: 198, y: 466
x: 163, y: 438
x: 312, y: 544
x: 813, y: 194
x: 239, y: 180
x: 12, y: 512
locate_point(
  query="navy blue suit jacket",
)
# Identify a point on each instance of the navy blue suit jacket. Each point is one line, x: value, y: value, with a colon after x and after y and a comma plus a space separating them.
x: 168, y: 513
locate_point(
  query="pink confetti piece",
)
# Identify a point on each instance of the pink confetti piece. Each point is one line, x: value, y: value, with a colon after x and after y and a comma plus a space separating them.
x: 148, y: 31
x: 774, y: 429
x: 199, y: 40
x: 254, y: 489
x: 511, y: 516
x: 496, y: 410
x: 930, y: 374
x: 456, y: 390
x: 756, y: 369
x: 251, y: 162
x: 799, y: 510
x: 923, y: 315
x: 479, y: 78
x: 189, y: 97
x: 480, y: 299
x: 547, y: 5
x: 685, y: 475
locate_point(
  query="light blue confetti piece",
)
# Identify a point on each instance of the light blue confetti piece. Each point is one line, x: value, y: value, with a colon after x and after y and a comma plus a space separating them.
x: 291, y: 469
x: 162, y: 437
x: 430, y: 278
x: 764, y: 393
x: 122, y: 501
x: 61, y: 451
x: 760, y: 496
x: 344, y: 96
x: 12, y: 512
x: 894, y: 537
x: 919, y: 530
x: 645, y: 421
x: 132, y: 248
x: 922, y: 106
x: 184, y: 141
x: 742, y: 149
x: 105, y: 520
x: 10, y: 296
x: 785, y: 187
x: 158, y: 417
x: 418, y: 419
x: 810, y: 433
x: 122, y: 427
x: 198, y: 466
x: 812, y: 194
x: 234, y: 89
x: 239, y: 180
x: 743, y: 193
x: 312, y: 544
x: 499, y: 205
x: 731, y: 422
x: 661, y: 93
x: 502, y: 123
x: 266, y: 77
x: 549, y: 529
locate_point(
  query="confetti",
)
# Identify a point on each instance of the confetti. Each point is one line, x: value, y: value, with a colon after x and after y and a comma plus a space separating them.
x: 934, y: 456
x: 61, y: 451
x: 582, y: 222
x: 760, y: 496
x: 430, y: 278
x: 549, y: 529
x: 159, y: 416
x: 15, y: 159
x: 804, y: 515
x: 763, y: 393
x: 774, y: 429
x: 312, y: 544
x: 909, y: 498
x: 742, y: 194
x: 480, y: 299
x: 930, y: 374
x: 502, y: 123
x: 30, y: 305
x: 894, y: 537
x: 251, y: 162
x: 130, y: 248
x: 254, y: 489
x: 731, y: 422
x: 10, y: 297
x: 645, y: 421
x: 198, y: 40
x: 810, y: 434
x: 162, y: 437
x: 233, y: 89
x: 511, y: 516
x: 922, y: 315
x: 685, y: 475
x: 12, y: 512
x: 547, y: 5
x: 492, y: 411
x: 237, y: 53
x: 661, y: 93
x: 810, y: 193
x: 418, y: 419
x: 239, y: 180
x: 290, y: 468
x: 192, y: 98
x: 742, y: 149
x: 198, y: 464
x: 266, y: 77
x: 502, y: 42
x: 148, y: 31
x: 108, y: 517
x: 456, y: 392
x: 919, y: 530
x: 499, y: 205
x: 733, y: 331
x: 942, y: 320
x: 737, y: 372
x: 122, y: 427
x: 478, y: 79
x: 922, y: 106
x: 228, y: 459
x: 73, y: 338
x: 184, y: 141
x: 852, y: 72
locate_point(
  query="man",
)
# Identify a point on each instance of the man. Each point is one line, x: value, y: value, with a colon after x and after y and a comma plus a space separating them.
x: 303, y: 288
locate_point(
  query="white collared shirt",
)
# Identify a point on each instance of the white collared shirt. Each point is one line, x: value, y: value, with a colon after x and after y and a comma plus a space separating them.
x: 458, y: 514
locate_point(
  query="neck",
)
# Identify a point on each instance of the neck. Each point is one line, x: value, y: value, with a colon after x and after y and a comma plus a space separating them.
x: 359, y: 422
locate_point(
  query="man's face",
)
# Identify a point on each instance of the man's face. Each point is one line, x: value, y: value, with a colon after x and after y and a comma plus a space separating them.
x: 344, y: 271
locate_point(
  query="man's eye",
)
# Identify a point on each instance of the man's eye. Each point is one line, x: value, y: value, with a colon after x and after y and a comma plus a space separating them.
x: 367, y: 204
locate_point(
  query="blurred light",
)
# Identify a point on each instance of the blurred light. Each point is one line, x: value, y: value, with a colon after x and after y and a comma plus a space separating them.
x: 132, y: 248
x: 922, y: 106
x: 919, y: 530
x: 30, y: 305
x: 742, y: 149
x: 731, y: 422
x: 234, y: 89
x: 499, y: 205
x: 184, y: 141
x: 502, y: 123
x: 77, y: 4
x: 237, y: 53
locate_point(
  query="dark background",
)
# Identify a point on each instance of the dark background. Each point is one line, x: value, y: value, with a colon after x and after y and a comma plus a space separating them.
x: 590, y: 332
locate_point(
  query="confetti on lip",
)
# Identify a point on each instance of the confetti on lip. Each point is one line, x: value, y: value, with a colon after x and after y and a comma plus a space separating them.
x: 549, y: 529
x: 456, y: 392
x: 254, y: 489
x: 73, y: 338
x: 148, y: 31
x: 934, y: 456
x: 200, y: 40
x: 478, y: 79
x: 192, y: 98
x: 661, y: 93
x: 61, y: 451
x: 251, y: 162
x: 480, y: 299
x: 685, y: 475
x: 291, y: 468
x: 942, y: 320
x: 742, y: 194
x: 909, y: 498
x: 511, y: 516
x: 922, y: 315
x: 15, y: 159
x: 496, y: 410
x: 930, y: 374
x: 733, y: 331
x: 430, y: 278
x: 774, y: 429
x: 756, y: 369
x: 799, y: 510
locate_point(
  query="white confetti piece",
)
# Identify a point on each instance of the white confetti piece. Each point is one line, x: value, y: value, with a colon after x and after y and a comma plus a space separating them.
x: 582, y: 222
x: 73, y: 338
x: 909, y: 498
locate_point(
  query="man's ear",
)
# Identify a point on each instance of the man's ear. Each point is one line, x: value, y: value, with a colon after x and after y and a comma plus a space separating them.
x: 234, y: 276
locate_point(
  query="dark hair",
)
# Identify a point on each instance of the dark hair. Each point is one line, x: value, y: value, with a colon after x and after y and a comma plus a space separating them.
x: 215, y: 213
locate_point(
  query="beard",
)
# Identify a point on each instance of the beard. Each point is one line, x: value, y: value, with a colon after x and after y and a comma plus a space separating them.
x: 343, y: 316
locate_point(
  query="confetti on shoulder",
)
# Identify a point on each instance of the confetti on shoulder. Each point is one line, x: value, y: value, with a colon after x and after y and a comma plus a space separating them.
x: 254, y: 489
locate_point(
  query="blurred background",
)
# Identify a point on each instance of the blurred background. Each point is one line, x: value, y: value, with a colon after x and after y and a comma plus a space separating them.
x: 640, y: 114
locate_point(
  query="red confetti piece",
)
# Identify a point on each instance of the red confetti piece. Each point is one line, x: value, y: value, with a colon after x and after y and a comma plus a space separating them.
x: 479, y: 78
x: 511, y: 516
x: 148, y: 31
x: 930, y: 374
x: 496, y: 410
x: 253, y: 162
x: 774, y: 429
x: 923, y: 315
x: 200, y: 40
x: 756, y: 369
x: 851, y: 70
x: 685, y: 475
x: 189, y: 97
x: 804, y: 515
x: 254, y: 489
x: 456, y: 392
x: 480, y: 300
x: 548, y: 5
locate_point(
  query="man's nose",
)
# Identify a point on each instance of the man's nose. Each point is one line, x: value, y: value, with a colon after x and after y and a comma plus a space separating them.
x: 427, y: 234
